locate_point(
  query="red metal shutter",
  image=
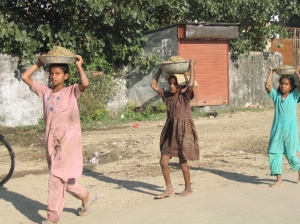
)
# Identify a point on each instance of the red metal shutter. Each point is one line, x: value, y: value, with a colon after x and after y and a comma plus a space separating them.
x: 211, y: 70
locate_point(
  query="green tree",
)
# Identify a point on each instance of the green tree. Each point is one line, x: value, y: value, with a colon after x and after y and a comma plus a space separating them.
x: 111, y: 31
x: 256, y: 19
x: 294, y: 21
x: 107, y: 33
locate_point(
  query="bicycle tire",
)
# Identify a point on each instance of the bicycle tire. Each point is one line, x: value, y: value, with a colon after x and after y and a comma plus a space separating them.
x: 7, y: 161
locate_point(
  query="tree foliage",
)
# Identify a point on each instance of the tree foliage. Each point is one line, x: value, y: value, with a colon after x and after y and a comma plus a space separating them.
x: 111, y: 31
x: 294, y: 21
x: 256, y: 19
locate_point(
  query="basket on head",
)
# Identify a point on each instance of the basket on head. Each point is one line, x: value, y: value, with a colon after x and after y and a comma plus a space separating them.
x: 49, y: 59
x: 175, y: 67
x: 285, y: 70
x: 58, y: 55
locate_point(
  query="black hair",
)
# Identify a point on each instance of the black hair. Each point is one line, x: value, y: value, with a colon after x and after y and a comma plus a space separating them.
x: 64, y: 67
x: 288, y: 77
x: 172, y: 76
x: 183, y: 85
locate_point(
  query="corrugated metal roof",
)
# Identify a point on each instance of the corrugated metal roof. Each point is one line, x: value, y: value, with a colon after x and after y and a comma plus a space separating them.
x: 186, y: 22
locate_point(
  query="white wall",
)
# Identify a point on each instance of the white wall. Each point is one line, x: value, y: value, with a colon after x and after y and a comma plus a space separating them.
x: 247, y: 77
x: 18, y: 105
x: 21, y: 107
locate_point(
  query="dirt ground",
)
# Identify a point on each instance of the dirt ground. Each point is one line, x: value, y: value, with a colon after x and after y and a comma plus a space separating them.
x: 233, y: 149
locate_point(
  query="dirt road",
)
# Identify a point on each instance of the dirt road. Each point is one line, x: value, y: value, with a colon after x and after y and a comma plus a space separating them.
x: 230, y: 180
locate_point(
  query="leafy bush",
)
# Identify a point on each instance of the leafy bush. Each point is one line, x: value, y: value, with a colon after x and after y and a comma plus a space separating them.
x: 151, y: 112
x: 160, y: 107
x: 92, y: 103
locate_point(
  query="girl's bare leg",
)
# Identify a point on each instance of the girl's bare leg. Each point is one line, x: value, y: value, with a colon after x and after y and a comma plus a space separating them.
x: 164, y: 163
x: 278, y: 182
x: 298, y: 177
x: 186, y: 175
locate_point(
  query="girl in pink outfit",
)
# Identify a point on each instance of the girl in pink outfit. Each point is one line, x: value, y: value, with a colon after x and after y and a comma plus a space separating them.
x: 63, y: 136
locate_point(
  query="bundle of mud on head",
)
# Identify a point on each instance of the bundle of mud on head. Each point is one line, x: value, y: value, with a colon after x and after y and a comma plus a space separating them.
x: 183, y: 79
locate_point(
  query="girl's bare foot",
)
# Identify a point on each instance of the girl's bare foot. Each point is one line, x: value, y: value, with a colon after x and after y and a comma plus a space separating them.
x: 168, y: 192
x: 186, y: 192
x: 276, y: 184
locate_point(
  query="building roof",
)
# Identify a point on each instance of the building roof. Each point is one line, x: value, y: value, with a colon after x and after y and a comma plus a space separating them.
x: 196, y: 23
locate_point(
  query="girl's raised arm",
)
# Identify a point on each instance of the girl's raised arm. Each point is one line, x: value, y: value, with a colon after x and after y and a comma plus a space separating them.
x: 84, y: 80
x: 26, y: 76
x: 154, y: 83
x: 298, y: 75
x: 192, y: 78
x: 269, y: 80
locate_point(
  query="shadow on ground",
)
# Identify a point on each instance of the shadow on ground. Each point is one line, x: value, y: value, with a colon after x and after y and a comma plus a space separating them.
x: 237, y: 177
x: 130, y: 185
x: 28, y: 207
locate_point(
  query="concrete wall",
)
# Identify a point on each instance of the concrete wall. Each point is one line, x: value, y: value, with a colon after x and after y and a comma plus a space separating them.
x: 18, y: 105
x: 162, y: 43
x: 21, y: 107
x: 247, y: 76
x: 120, y: 100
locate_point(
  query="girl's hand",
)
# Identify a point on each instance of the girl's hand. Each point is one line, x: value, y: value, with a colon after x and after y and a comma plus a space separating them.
x: 192, y: 61
x: 79, y: 62
x: 269, y: 80
x: 160, y: 91
x: 40, y: 63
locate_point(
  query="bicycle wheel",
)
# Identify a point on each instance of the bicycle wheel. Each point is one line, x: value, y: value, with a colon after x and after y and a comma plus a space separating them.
x: 7, y: 161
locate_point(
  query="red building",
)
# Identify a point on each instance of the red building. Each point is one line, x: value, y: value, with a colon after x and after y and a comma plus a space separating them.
x: 208, y: 43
